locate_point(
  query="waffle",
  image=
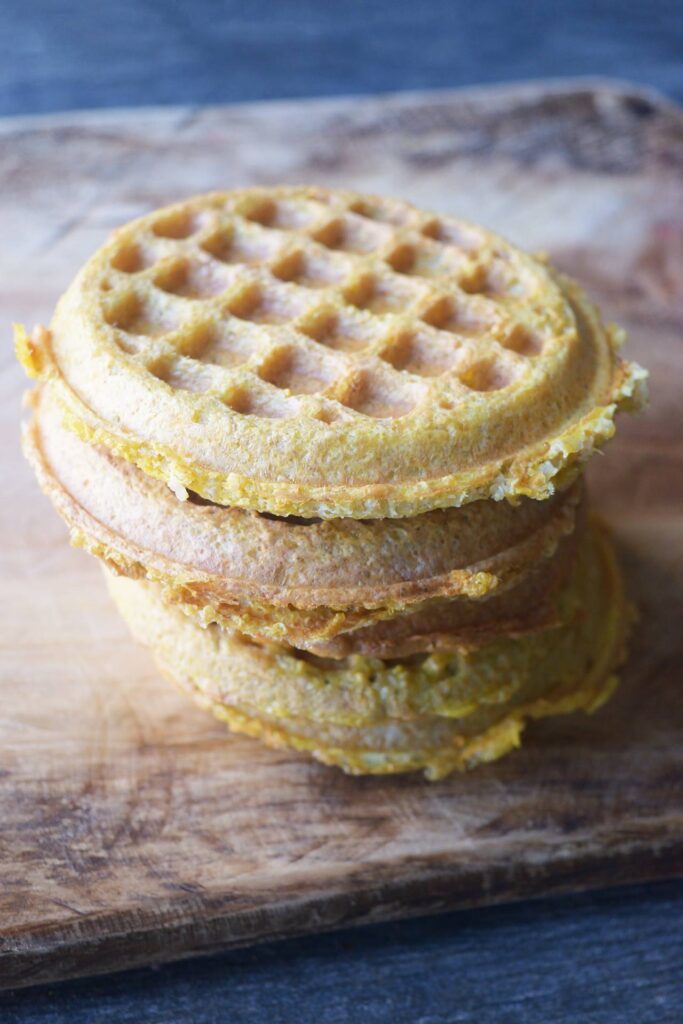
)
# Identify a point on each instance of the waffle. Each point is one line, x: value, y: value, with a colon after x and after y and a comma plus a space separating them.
x: 317, y: 353
x: 438, y: 713
x: 278, y: 416
x: 431, y: 582
x: 459, y: 623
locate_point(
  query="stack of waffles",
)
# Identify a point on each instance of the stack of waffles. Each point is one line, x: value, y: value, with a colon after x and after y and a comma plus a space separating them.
x: 329, y: 449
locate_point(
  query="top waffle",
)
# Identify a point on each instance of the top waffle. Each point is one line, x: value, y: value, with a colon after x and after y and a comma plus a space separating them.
x: 320, y: 353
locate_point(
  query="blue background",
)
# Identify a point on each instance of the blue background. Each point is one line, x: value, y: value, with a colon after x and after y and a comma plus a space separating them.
x: 69, y: 54
x: 598, y: 958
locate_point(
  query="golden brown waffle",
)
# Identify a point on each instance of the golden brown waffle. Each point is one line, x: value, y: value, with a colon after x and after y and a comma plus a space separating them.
x: 321, y: 353
x: 456, y: 623
x: 399, y: 585
x: 438, y: 712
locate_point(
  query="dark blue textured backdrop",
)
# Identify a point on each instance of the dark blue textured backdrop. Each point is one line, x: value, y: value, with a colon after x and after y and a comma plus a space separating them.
x: 66, y: 54
x: 610, y: 958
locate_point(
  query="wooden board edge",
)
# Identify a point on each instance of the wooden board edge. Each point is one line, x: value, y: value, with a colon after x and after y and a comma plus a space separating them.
x: 183, y: 928
x: 509, y: 93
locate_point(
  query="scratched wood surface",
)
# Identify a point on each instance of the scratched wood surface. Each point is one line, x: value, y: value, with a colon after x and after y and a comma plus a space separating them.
x: 132, y: 829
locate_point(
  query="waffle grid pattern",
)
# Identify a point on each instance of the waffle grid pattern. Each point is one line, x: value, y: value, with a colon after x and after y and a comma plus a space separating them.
x: 326, y: 305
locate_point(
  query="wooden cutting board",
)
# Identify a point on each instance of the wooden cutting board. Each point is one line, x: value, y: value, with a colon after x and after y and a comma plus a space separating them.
x: 132, y: 828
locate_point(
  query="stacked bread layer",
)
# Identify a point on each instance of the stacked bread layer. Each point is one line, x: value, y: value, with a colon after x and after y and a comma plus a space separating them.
x: 307, y: 539
x: 474, y: 621
x: 332, y: 587
x: 438, y: 712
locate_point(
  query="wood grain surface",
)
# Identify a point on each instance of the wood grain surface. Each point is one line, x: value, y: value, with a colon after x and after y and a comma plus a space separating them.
x: 132, y: 829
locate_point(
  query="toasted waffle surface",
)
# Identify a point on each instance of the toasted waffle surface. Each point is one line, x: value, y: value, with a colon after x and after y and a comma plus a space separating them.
x: 319, y: 353
x: 437, y: 712
x: 401, y: 585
